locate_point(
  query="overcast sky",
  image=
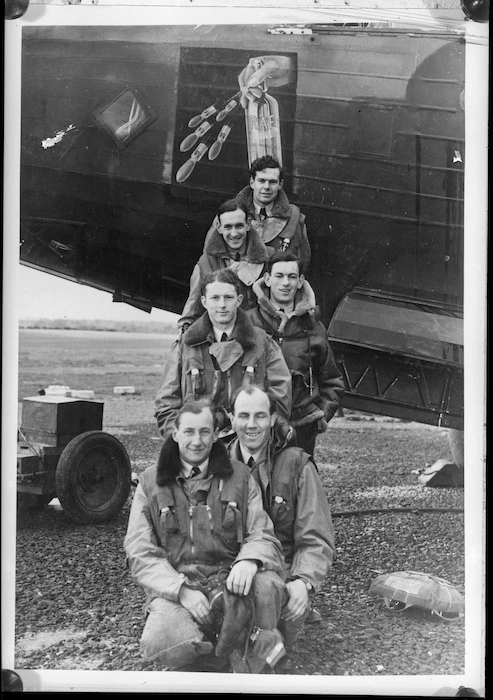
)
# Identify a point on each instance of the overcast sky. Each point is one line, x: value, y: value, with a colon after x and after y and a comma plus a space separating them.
x: 45, y: 296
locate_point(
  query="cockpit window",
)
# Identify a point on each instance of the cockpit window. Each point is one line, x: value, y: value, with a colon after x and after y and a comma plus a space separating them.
x: 124, y: 117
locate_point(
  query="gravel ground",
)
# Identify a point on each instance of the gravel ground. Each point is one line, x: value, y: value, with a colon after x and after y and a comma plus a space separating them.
x: 77, y: 607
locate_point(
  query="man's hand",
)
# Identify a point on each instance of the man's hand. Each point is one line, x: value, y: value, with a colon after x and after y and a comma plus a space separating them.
x: 298, y: 600
x: 196, y: 603
x: 241, y: 576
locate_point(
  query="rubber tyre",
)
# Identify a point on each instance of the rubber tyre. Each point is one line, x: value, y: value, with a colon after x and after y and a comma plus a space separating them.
x: 93, y: 477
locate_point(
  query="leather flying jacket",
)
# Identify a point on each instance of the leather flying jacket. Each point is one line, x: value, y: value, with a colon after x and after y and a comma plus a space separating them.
x: 169, y: 541
x: 284, y: 229
x: 295, y: 499
x: 318, y: 386
x: 199, y: 367
x: 215, y: 257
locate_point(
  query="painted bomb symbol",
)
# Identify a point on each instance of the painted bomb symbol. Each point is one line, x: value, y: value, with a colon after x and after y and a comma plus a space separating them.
x: 213, y: 143
x: 261, y: 115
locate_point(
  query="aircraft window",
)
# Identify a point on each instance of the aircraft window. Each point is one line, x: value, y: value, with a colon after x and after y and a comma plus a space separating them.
x: 124, y: 117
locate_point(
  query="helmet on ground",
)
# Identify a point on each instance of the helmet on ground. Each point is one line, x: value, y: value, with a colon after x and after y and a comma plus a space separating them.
x: 402, y: 589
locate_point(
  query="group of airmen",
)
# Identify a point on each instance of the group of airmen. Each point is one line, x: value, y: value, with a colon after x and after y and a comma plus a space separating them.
x: 230, y: 534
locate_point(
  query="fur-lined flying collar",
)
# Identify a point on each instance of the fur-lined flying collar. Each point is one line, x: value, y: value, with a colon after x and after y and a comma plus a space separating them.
x: 169, y: 463
x: 304, y: 302
x: 256, y: 250
x: 281, y: 208
x: 201, y: 331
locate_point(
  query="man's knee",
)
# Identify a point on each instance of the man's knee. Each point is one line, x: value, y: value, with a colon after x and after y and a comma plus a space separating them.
x: 269, y: 585
x: 171, y: 636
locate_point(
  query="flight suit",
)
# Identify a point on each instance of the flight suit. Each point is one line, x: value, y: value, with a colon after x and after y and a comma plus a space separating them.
x: 176, y: 536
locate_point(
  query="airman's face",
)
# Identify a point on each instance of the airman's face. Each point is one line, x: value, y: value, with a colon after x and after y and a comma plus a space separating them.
x: 222, y: 302
x: 252, y: 419
x: 265, y: 185
x: 195, y: 436
x: 234, y: 227
x: 284, y: 281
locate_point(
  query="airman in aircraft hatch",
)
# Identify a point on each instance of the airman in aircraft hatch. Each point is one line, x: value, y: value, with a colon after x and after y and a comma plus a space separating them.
x: 280, y: 224
x: 232, y: 243
x: 272, y: 224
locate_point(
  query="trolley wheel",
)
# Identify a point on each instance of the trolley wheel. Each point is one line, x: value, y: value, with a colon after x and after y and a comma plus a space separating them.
x: 93, y: 477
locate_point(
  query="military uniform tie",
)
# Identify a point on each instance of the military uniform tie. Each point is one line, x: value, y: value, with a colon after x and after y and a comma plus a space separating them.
x: 263, y: 214
x: 194, y: 472
x: 253, y: 468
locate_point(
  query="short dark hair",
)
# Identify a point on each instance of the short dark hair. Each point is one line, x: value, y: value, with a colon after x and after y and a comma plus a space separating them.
x: 249, y: 389
x: 285, y: 256
x: 265, y: 162
x: 232, y: 205
x: 196, y: 407
x: 225, y: 275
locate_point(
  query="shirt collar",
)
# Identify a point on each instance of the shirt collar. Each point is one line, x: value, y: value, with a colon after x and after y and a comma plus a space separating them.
x: 245, y: 454
x: 268, y: 208
x: 218, y: 332
x: 186, y: 468
x: 232, y: 255
x: 288, y: 309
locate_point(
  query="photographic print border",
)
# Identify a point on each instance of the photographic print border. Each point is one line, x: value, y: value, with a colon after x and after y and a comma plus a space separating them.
x: 475, y: 369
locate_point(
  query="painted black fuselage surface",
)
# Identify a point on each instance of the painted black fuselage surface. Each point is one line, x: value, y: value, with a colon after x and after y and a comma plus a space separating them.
x: 121, y: 175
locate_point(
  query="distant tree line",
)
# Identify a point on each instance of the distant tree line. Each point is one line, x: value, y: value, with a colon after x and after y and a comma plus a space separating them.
x: 99, y: 325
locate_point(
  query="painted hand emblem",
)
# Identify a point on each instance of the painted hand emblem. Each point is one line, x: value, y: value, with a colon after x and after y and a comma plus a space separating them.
x: 261, y: 115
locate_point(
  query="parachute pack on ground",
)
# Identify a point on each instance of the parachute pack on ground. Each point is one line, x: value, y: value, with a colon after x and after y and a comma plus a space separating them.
x: 403, y: 589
